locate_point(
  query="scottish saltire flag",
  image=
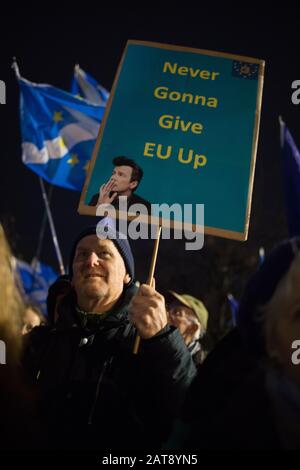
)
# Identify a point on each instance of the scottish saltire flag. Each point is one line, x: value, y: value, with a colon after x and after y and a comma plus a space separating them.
x: 59, y: 132
x: 234, y: 307
x: 291, y: 172
x: 34, y: 281
x: 85, y: 86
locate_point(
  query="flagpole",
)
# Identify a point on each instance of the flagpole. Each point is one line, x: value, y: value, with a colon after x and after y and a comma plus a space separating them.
x: 42, y: 233
x: 282, y: 127
x: 15, y: 67
x: 52, y: 228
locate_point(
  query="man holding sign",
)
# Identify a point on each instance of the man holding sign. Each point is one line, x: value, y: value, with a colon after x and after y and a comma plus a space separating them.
x: 95, y: 393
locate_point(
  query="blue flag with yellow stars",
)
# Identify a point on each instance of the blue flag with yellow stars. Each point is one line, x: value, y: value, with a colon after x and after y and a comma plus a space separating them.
x: 85, y: 86
x: 244, y: 70
x: 34, y: 281
x: 59, y: 132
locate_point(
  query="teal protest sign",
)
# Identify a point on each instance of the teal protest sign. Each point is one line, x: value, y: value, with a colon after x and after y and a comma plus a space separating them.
x: 189, y: 118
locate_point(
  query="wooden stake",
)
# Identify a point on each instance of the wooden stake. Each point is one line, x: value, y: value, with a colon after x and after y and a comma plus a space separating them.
x: 149, y: 281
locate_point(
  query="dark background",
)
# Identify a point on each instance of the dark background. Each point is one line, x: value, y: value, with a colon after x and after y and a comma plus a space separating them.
x: 48, y: 47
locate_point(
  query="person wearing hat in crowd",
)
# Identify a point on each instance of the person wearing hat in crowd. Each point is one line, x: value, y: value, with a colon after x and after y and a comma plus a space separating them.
x: 190, y: 316
x: 250, y: 383
x: 95, y: 393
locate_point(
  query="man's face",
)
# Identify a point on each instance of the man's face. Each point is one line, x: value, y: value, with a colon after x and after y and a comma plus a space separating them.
x: 121, y: 177
x: 99, y: 271
x: 184, y: 319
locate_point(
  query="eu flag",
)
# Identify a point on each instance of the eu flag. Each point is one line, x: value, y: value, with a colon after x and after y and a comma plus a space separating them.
x: 85, y: 86
x: 291, y: 170
x: 245, y: 70
x: 35, y: 282
x: 59, y: 132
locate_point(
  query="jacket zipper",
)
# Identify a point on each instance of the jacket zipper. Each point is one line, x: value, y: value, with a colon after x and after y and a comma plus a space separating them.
x: 93, y: 407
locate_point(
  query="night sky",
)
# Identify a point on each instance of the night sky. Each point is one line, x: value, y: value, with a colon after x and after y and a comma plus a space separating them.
x: 47, y: 48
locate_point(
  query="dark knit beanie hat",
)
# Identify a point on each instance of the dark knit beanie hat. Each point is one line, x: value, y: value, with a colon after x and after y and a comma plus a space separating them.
x: 106, y: 229
x: 260, y: 290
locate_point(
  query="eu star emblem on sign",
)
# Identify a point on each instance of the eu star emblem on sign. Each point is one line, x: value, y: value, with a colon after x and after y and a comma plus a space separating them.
x: 244, y: 70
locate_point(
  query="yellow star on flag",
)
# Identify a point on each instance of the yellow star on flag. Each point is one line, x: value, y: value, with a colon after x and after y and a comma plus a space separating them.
x: 57, y: 116
x: 73, y: 160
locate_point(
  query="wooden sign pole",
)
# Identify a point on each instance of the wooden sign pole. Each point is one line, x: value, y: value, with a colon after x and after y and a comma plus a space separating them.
x: 149, y: 281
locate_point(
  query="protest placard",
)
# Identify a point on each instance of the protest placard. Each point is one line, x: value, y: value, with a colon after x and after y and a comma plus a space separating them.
x: 189, y: 119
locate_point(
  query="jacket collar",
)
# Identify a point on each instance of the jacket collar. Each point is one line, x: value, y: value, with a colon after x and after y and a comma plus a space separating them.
x: 70, y: 315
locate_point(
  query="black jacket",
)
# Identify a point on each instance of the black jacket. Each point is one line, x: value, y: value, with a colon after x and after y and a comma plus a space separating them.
x: 94, y: 393
x: 227, y: 407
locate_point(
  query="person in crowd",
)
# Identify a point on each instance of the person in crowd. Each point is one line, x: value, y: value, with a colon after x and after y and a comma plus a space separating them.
x: 31, y: 318
x: 190, y: 316
x: 251, y: 381
x: 19, y: 428
x: 95, y: 393
x: 11, y: 305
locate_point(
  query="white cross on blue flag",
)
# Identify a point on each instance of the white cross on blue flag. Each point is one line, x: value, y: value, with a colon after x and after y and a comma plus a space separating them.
x: 85, y: 86
x: 59, y: 132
